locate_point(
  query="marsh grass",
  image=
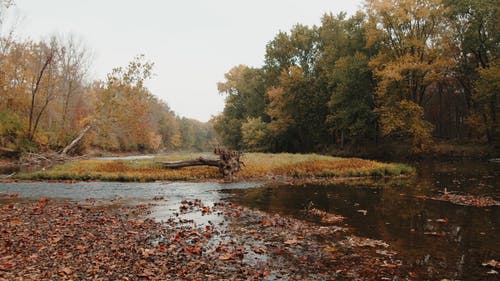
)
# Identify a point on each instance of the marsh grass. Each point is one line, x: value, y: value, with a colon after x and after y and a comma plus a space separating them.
x: 258, y: 166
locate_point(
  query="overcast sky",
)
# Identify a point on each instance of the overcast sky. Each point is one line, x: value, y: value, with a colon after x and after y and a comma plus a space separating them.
x: 192, y: 42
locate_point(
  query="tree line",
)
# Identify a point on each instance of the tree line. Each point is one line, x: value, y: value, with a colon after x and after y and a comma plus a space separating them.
x: 396, y: 72
x: 47, y: 99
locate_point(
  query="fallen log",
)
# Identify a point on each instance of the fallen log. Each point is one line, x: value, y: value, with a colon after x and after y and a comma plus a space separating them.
x: 76, y: 140
x: 193, y: 162
x: 229, y: 163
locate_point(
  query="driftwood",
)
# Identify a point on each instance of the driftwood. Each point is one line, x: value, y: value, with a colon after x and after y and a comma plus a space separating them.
x: 43, y: 160
x: 229, y: 163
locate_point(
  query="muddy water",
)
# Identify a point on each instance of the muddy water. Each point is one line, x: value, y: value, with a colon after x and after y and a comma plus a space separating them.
x: 395, y: 211
x: 390, y: 210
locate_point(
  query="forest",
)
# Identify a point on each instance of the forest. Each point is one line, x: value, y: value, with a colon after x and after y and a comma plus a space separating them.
x: 397, y: 72
x: 47, y: 99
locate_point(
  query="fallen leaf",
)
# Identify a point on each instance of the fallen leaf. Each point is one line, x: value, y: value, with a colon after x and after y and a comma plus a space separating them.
x: 67, y: 270
x: 492, y: 263
x: 225, y: 257
x: 15, y: 223
x: 364, y: 212
x: 259, y: 250
x: 5, y: 266
x: 330, y: 249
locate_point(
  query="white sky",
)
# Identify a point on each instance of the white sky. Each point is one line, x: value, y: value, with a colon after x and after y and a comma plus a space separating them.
x: 192, y: 42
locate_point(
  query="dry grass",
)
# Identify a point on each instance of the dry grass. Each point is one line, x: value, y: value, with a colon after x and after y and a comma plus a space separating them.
x: 258, y: 166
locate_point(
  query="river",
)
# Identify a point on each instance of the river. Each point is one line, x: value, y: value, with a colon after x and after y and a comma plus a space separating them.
x: 441, y: 239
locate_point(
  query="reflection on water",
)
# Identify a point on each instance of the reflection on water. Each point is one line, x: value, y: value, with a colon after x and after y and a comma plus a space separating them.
x: 167, y: 196
x: 437, y: 238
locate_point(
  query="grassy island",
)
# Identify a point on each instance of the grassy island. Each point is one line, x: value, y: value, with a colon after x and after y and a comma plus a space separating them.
x: 258, y: 166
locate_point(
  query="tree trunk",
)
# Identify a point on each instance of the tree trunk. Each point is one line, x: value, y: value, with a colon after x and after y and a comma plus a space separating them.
x: 76, y: 140
x: 192, y: 162
x: 229, y: 163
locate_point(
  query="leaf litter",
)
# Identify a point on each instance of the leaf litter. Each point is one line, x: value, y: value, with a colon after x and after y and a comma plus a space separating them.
x: 64, y: 240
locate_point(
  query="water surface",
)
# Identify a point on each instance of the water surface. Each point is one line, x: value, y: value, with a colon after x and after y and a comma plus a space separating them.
x: 439, y: 239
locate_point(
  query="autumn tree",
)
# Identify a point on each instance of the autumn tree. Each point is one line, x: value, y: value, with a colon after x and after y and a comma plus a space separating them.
x: 122, y: 116
x: 74, y: 59
x: 296, y: 107
x: 294, y: 120
x: 255, y: 135
x: 413, y: 54
x: 487, y: 102
x: 244, y: 89
x: 476, y: 37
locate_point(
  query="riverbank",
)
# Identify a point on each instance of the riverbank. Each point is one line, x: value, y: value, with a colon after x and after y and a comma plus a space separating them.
x: 68, y: 241
x: 439, y: 150
x: 258, y: 167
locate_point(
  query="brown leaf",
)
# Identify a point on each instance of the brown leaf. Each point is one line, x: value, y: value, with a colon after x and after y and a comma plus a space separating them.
x: 330, y: 249
x: 66, y: 271
x: 5, y: 266
x: 259, y: 250
x: 225, y: 257
x: 146, y: 273
x: 15, y: 223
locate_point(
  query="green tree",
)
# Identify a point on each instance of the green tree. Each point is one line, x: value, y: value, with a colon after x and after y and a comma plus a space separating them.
x: 297, y: 108
x: 348, y: 87
x: 352, y: 102
x: 245, y: 98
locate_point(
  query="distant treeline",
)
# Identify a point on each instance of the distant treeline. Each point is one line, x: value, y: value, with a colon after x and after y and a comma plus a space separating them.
x: 46, y: 100
x: 397, y: 72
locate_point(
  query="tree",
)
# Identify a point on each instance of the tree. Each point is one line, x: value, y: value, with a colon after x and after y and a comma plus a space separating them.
x: 299, y: 48
x: 245, y: 98
x: 122, y: 112
x: 73, y: 61
x: 474, y: 26
x: 413, y: 54
x: 254, y: 134
x: 487, y: 102
x: 296, y: 108
x: 41, y: 83
x: 292, y: 110
x: 343, y: 76
x: 352, y: 102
